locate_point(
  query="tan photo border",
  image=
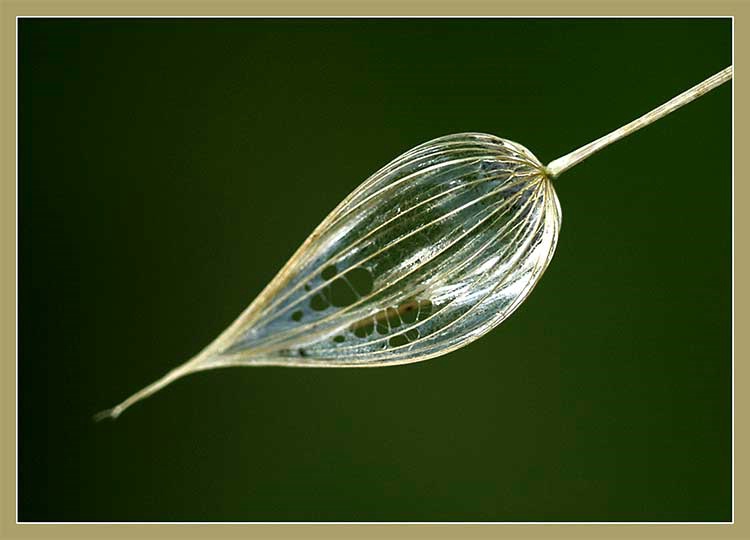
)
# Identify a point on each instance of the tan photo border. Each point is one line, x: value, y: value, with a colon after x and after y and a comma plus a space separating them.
x: 9, y: 10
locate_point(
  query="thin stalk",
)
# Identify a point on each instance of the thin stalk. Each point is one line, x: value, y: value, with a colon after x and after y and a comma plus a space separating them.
x: 562, y: 164
x: 181, y: 371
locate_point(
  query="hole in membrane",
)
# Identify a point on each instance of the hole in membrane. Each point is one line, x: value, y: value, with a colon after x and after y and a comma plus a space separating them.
x: 328, y: 272
x: 388, y: 320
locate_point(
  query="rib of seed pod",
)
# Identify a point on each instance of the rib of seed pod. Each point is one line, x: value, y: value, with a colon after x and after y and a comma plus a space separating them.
x: 429, y: 253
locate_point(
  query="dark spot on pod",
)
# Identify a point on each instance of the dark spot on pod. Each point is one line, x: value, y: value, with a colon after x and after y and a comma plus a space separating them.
x: 297, y: 315
x: 394, y: 320
x: 363, y: 328
x: 425, y: 308
x: 409, y: 311
x: 339, y: 339
x: 382, y: 327
x: 346, y: 289
x: 360, y: 332
x: 342, y: 294
x: 397, y: 341
x: 318, y: 302
x: 328, y: 272
x: 361, y: 280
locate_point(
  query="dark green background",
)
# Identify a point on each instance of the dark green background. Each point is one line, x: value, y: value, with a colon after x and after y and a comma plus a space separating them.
x: 167, y: 170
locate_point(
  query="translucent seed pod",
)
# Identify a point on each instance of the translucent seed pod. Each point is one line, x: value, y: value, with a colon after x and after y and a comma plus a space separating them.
x: 428, y: 254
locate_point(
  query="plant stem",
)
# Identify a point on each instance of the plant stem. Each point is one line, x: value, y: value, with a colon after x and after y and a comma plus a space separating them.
x: 181, y: 371
x: 562, y: 164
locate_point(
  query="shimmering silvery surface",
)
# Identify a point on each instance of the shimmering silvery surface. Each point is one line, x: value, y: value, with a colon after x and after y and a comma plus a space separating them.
x: 429, y: 253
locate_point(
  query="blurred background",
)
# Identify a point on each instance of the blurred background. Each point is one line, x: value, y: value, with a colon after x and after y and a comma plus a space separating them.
x: 168, y: 168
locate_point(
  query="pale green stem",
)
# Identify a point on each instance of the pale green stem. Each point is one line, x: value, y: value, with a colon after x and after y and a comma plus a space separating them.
x: 562, y: 164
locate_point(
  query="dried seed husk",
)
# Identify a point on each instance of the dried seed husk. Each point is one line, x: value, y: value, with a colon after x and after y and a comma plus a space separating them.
x: 429, y: 253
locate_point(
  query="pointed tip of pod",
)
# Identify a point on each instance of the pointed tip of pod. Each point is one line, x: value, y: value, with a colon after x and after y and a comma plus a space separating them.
x: 107, y: 414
